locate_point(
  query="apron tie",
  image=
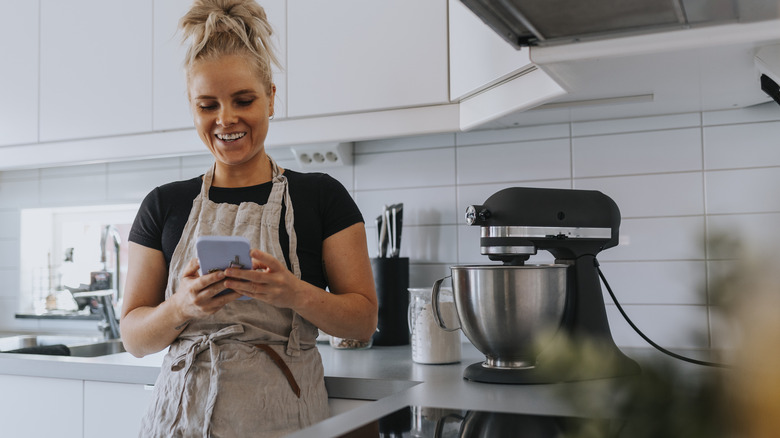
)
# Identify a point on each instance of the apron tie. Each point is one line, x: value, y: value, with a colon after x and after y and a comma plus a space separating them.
x: 184, y: 361
x: 282, y: 366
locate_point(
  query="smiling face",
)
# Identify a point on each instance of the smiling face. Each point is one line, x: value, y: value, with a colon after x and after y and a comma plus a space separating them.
x: 231, y: 109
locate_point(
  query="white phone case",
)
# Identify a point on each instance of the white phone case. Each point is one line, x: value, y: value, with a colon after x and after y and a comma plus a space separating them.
x: 217, y: 253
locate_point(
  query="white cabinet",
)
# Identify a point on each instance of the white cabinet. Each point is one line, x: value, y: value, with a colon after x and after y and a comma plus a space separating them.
x: 96, y: 68
x: 479, y: 57
x: 363, y: 55
x: 114, y: 409
x: 171, y: 110
x: 19, y: 75
x: 488, y: 77
x: 276, y: 10
x: 39, y: 407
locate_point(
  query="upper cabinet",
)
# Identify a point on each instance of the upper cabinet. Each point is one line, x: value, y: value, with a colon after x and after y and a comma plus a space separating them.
x: 170, y: 107
x: 349, y: 56
x: 19, y: 75
x: 479, y: 57
x: 95, y: 64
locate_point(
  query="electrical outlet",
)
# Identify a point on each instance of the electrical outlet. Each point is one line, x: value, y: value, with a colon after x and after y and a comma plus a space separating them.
x: 317, y: 156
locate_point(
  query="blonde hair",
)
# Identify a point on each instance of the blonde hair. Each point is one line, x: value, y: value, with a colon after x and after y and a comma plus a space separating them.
x: 215, y: 28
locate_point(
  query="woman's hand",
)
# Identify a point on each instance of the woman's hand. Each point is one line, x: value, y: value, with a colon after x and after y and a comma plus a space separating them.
x: 269, y: 281
x: 196, y: 294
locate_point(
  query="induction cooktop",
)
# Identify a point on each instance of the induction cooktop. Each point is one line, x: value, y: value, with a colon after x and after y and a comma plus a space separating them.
x: 435, y: 422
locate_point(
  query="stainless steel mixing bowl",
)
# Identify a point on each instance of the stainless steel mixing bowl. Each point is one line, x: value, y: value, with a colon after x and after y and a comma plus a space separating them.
x: 506, y: 310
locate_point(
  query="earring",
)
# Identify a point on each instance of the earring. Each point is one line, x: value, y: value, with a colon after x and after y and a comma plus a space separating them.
x: 272, y: 117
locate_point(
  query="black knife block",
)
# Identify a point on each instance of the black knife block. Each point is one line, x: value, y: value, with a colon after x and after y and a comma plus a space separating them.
x: 391, y: 278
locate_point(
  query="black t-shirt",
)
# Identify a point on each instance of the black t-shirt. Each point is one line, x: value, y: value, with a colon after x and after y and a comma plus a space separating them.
x: 321, y: 205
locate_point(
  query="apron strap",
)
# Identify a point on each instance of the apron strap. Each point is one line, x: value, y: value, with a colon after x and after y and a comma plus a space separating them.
x: 282, y: 366
x: 294, y: 340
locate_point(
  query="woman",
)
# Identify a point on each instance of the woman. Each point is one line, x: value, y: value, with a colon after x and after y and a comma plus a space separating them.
x: 238, y: 368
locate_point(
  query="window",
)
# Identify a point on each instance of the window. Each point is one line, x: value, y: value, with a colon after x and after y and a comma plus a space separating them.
x: 60, y: 248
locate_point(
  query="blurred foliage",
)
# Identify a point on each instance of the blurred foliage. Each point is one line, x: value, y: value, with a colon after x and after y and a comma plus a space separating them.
x: 673, y: 399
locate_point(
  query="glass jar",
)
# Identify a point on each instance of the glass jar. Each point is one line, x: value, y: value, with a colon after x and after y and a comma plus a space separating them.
x: 430, y: 343
x: 349, y: 344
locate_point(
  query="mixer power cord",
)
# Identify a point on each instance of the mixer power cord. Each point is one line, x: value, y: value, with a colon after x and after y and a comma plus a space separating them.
x: 647, y: 339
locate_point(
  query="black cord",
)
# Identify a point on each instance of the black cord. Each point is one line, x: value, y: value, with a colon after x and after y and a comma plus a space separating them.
x: 648, y: 340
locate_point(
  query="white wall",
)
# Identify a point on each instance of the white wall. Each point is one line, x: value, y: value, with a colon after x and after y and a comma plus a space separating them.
x: 677, y: 180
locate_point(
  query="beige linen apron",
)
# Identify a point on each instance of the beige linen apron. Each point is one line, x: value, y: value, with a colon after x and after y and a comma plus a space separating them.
x: 214, y: 381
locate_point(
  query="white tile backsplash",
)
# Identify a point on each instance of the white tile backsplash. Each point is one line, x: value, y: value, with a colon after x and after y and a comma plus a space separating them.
x: 134, y: 186
x: 74, y: 190
x: 663, y: 238
x: 422, y: 206
x: 668, y: 326
x: 423, y: 243
x: 657, y: 282
x: 19, y: 193
x: 9, y: 224
x: 673, y: 194
x: 760, y: 232
x: 676, y: 150
x: 10, y: 288
x: 736, y: 146
x: 521, y: 161
x: 743, y: 191
x: 654, y: 168
x: 9, y: 254
x: 395, y: 170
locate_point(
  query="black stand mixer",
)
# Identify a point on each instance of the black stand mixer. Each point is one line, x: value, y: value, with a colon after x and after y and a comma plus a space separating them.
x: 574, y: 226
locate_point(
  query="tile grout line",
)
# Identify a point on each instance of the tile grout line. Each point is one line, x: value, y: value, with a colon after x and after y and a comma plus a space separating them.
x: 706, y: 229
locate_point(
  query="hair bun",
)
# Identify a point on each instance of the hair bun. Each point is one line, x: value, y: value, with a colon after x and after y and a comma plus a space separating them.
x: 227, y: 27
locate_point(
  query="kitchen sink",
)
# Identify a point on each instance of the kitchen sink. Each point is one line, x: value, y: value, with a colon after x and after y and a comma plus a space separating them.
x: 79, y: 346
x: 98, y: 349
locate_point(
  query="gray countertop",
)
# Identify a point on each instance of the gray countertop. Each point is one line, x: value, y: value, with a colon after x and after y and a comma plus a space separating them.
x: 385, y: 374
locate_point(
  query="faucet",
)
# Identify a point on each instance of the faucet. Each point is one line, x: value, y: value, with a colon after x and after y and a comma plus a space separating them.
x: 111, y: 231
x: 109, y: 325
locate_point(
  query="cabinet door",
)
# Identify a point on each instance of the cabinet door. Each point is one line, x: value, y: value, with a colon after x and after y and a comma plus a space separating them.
x: 19, y: 75
x: 171, y: 110
x: 96, y: 68
x: 362, y: 55
x: 114, y: 409
x: 38, y: 407
x: 478, y: 56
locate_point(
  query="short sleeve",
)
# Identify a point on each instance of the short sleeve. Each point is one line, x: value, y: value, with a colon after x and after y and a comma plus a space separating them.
x: 339, y: 210
x: 148, y: 224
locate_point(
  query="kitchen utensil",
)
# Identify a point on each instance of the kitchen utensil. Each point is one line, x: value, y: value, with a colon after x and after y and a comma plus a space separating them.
x: 398, y: 221
x: 502, y: 312
x: 390, y: 229
x: 526, y: 301
x: 382, y: 235
x: 430, y: 343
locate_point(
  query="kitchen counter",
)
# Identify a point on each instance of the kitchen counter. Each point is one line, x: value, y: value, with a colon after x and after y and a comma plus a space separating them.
x: 384, y: 374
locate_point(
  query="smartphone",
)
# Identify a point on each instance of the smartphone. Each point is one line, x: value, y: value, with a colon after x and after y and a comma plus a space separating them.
x: 217, y: 253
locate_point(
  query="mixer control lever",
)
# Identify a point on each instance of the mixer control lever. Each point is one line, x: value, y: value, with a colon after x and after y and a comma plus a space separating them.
x: 476, y: 214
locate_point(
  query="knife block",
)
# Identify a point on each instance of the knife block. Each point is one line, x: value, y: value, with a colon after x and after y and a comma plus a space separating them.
x: 391, y: 278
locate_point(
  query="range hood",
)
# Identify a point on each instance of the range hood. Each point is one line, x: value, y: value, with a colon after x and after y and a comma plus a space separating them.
x: 551, y: 22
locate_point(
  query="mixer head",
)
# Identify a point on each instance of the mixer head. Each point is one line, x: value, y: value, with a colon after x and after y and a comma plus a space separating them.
x: 518, y: 221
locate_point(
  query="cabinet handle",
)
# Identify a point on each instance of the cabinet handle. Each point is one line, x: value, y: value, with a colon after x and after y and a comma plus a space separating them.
x: 149, y: 387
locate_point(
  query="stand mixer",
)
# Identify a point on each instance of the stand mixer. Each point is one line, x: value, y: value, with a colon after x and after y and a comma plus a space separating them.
x: 574, y: 226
